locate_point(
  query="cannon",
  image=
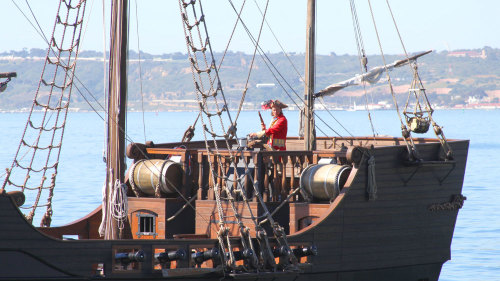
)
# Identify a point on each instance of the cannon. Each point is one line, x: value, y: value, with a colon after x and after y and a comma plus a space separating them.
x: 281, y: 251
x: 246, y: 254
x: 306, y: 251
x: 169, y: 256
x: 200, y: 257
x: 128, y: 257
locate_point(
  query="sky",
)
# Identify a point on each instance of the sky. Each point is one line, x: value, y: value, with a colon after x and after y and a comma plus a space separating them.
x: 423, y: 25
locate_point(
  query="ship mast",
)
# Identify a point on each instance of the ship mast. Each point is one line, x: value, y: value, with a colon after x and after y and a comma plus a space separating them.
x: 117, y: 103
x: 309, y: 129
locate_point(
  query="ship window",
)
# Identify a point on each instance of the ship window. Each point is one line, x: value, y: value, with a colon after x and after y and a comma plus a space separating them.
x: 146, y: 224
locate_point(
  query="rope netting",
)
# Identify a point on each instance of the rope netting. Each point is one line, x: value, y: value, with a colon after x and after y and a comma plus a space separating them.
x: 212, y: 108
x: 34, y: 168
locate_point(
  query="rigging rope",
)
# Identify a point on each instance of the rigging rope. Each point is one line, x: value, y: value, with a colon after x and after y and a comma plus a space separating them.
x: 232, y: 34
x: 223, y: 232
x: 130, y: 140
x: 102, y: 108
x: 221, y: 183
x: 421, y: 90
x: 140, y: 72
x: 119, y: 204
x: 104, y: 86
x: 363, y: 60
x: 252, y: 62
x: 63, y: 76
x: 406, y: 134
x: 272, y: 68
x: 39, y: 30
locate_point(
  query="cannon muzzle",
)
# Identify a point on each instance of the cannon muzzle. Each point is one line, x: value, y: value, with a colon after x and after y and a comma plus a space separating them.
x: 201, y: 257
x: 306, y: 251
x: 281, y: 251
x: 169, y: 256
x: 246, y: 254
x: 126, y: 258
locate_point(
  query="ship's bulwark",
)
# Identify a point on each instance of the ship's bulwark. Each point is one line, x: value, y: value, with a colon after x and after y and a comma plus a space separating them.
x: 404, y: 234
x: 398, y: 234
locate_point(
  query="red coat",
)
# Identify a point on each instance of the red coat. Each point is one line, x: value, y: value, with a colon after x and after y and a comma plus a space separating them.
x: 277, y: 132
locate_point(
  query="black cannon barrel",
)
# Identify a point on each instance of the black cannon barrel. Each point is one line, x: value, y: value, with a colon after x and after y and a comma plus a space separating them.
x: 242, y: 255
x: 200, y: 257
x: 281, y: 251
x: 129, y: 257
x: 8, y: 74
x: 168, y: 256
x: 306, y: 251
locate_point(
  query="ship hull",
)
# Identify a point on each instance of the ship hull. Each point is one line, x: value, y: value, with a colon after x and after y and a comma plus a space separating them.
x: 403, y: 231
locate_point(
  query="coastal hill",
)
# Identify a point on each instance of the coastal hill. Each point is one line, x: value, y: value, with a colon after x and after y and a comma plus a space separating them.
x: 453, y: 79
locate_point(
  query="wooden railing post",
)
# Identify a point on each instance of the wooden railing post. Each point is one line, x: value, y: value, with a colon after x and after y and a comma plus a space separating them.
x: 219, y: 172
x: 276, y: 178
x: 236, y: 176
x: 315, y: 159
x: 258, y: 174
x: 247, y: 183
x: 302, y: 160
x: 187, y: 188
x: 284, y: 187
x: 211, y: 180
x: 222, y: 175
x: 293, y: 161
x: 265, y: 167
x: 202, y: 192
x: 309, y: 159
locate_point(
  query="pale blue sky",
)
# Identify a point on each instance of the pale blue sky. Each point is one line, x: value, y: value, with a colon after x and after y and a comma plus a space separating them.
x: 424, y: 25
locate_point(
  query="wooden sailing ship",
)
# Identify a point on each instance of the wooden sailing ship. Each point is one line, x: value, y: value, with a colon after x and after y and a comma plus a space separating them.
x: 327, y: 208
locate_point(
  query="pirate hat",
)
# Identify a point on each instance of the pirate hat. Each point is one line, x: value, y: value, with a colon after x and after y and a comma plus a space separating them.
x: 270, y: 103
x: 279, y: 104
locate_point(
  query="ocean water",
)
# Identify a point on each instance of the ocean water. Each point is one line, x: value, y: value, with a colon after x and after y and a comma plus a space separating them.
x: 476, y: 241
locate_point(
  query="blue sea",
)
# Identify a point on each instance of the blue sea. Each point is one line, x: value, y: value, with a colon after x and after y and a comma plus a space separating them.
x: 476, y: 242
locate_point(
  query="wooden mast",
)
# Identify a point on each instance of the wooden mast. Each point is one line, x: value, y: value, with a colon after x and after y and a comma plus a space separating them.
x: 309, y: 129
x: 117, y: 102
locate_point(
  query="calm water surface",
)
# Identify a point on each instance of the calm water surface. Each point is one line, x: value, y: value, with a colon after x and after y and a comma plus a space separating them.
x: 476, y: 242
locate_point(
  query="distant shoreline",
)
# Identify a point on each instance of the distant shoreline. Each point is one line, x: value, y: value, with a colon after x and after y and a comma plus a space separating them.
x: 292, y: 110
x: 455, y: 79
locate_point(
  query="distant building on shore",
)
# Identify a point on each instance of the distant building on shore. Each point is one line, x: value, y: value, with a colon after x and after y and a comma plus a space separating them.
x: 470, y: 54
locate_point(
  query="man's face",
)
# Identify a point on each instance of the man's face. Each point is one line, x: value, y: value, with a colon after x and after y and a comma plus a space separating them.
x: 275, y: 111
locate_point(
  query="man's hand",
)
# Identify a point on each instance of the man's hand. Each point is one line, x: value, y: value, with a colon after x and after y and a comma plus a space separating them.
x: 253, y: 135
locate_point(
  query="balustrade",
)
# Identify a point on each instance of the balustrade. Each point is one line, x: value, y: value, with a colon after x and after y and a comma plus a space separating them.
x: 276, y: 173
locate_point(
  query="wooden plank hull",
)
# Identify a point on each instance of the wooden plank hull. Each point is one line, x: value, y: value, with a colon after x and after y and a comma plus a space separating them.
x: 403, y: 234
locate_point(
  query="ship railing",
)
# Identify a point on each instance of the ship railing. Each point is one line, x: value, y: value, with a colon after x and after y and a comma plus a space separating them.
x: 276, y: 174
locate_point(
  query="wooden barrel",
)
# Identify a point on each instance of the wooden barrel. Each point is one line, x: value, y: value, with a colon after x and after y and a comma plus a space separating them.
x: 147, y: 174
x: 323, y: 181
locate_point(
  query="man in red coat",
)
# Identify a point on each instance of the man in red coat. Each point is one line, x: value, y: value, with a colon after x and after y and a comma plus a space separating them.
x: 278, y: 128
